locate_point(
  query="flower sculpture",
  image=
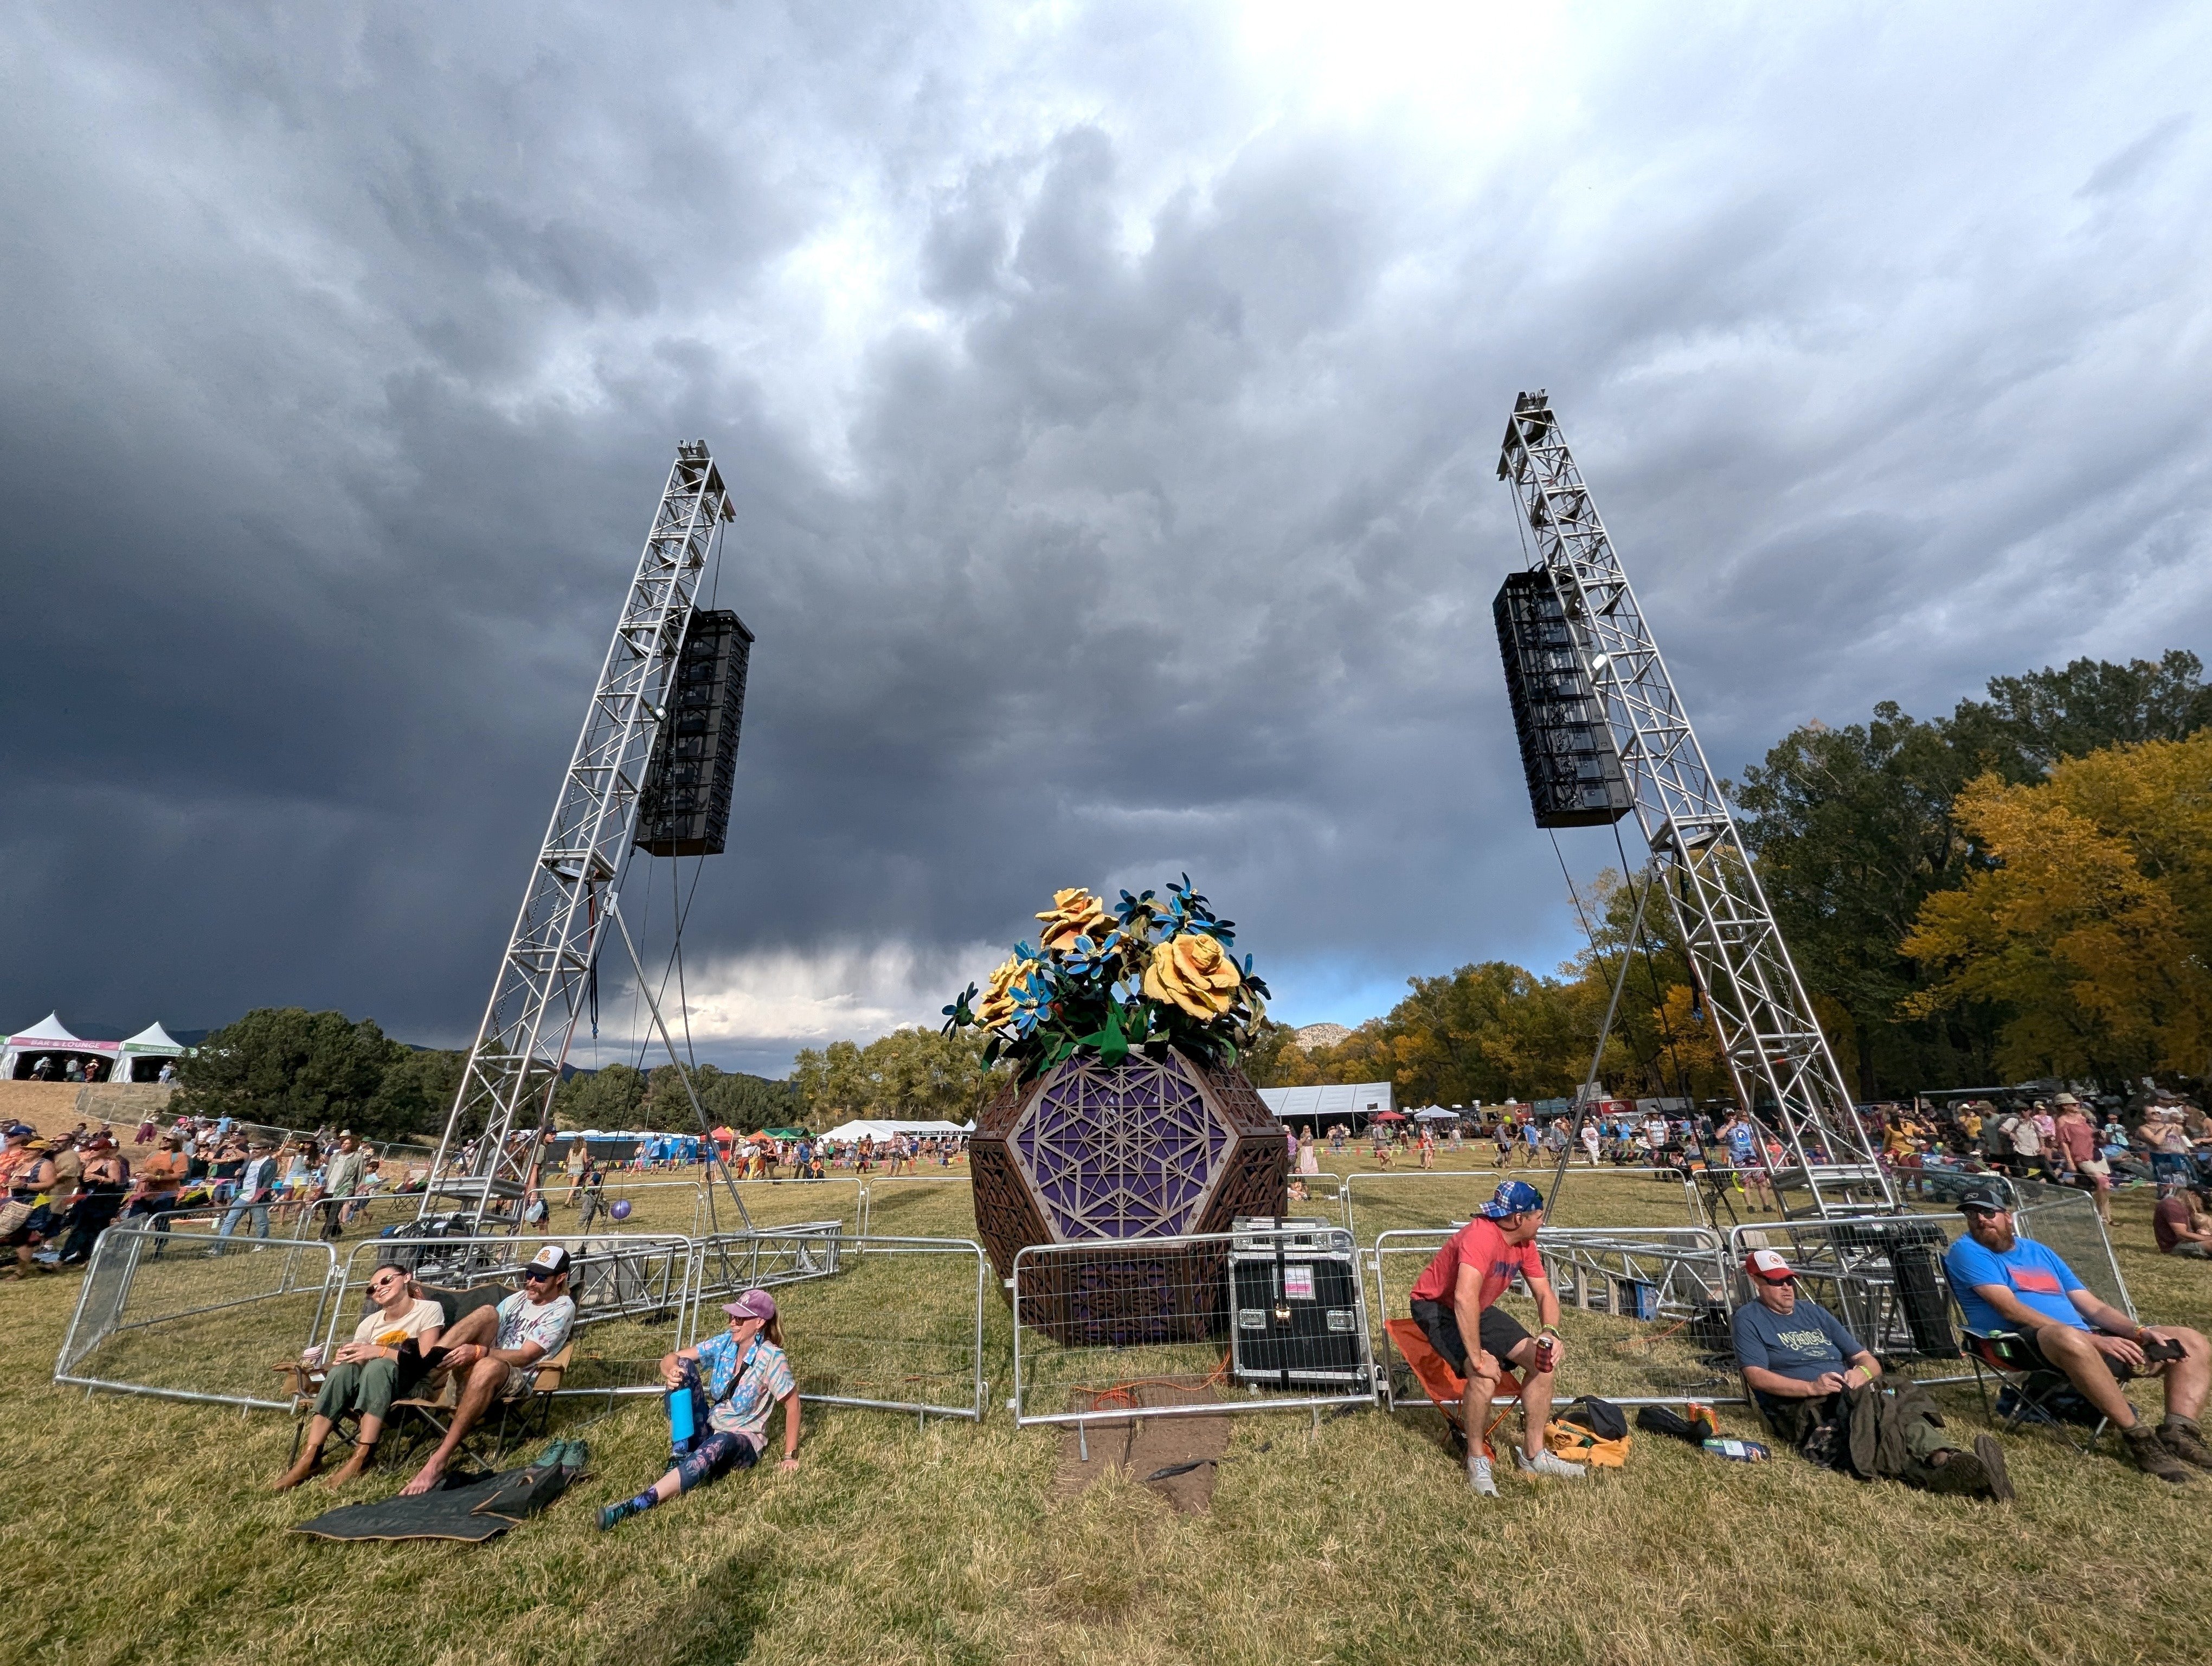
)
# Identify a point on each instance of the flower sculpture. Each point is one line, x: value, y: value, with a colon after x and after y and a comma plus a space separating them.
x: 1147, y: 975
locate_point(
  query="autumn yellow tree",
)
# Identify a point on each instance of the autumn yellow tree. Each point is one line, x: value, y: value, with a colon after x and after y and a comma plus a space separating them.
x: 2093, y: 925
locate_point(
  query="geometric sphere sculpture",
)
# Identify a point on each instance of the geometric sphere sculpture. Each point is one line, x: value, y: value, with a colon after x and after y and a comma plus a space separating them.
x: 1096, y: 1153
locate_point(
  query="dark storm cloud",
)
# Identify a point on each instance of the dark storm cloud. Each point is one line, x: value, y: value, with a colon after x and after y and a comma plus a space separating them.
x: 1112, y: 411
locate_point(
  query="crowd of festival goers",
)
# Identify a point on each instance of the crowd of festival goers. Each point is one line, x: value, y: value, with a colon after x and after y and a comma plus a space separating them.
x: 62, y: 1192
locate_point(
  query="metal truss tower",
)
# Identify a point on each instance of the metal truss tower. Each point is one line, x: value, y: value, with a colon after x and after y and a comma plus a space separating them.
x: 1785, y: 1073
x: 506, y: 1090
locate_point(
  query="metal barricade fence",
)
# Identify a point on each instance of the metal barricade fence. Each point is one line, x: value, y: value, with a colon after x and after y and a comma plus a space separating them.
x: 1881, y: 1276
x: 2065, y: 1221
x: 1260, y: 1320
x: 918, y: 1203
x: 1642, y: 1313
x: 633, y: 1293
x: 655, y: 1206
x: 1414, y: 1199
x: 1325, y: 1194
x: 730, y: 1262
x: 185, y: 1316
x: 899, y: 1329
x: 778, y: 1203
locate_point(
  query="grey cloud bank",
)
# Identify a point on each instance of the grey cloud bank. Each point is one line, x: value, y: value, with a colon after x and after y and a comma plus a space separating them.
x: 1111, y: 398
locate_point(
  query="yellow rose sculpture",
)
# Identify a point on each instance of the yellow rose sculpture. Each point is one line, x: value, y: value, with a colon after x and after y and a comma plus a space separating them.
x: 1074, y: 913
x: 998, y: 999
x: 1195, y: 973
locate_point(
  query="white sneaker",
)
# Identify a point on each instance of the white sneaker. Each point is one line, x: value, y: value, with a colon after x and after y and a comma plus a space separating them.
x: 1479, y: 1477
x: 1547, y: 1464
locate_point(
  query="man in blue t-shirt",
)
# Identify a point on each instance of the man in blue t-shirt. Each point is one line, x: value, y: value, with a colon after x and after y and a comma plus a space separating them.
x: 2007, y: 1283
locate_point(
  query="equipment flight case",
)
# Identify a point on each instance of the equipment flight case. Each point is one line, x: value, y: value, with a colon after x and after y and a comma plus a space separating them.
x: 1295, y: 1297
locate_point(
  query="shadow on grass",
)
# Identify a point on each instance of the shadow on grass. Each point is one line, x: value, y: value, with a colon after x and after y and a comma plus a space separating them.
x: 716, y: 1619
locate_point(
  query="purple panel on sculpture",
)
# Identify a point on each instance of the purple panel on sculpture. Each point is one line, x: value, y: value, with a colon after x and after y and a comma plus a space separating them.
x: 1122, y: 1152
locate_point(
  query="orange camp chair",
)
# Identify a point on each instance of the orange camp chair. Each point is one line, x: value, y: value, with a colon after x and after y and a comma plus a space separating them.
x: 1443, y: 1385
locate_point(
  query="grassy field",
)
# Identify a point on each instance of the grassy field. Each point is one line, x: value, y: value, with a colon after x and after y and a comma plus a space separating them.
x: 138, y: 1530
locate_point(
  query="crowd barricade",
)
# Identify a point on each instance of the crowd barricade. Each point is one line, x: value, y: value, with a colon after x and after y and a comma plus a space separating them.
x: 897, y: 1204
x: 187, y: 1316
x: 1880, y: 1276
x: 2064, y: 1220
x: 899, y: 1329
x: 1644, y: 1311
x: 771, y: 1204
x: 1327, y: 1194
x: 632, y: 1291
x: 1270, y: 1319
x: 1410, y: 1199
x: 657, y: 1206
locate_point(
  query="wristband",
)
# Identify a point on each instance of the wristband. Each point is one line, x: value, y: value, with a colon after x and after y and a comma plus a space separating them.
x: 1548, y: 1330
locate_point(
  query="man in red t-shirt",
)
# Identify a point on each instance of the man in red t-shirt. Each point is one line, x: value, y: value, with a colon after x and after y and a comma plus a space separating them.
x: 1452, y: 1301
x: 2171, y: 1224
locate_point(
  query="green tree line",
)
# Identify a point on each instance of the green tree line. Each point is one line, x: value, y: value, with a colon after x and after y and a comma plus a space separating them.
x: 1877, y: 843
x: 292, y: 1068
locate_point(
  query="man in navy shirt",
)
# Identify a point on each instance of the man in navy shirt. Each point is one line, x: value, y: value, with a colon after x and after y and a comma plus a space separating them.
x: 1799, y: 1359
x: 2007, y: 1283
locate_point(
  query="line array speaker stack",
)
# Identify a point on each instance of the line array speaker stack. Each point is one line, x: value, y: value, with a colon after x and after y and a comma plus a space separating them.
x: 1566, y: 745
x: 685, y: 809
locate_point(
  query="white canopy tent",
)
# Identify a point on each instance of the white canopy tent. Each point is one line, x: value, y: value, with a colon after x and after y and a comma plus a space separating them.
x: 1331, y: 1102
x: 20, y: 1053
x: 846, y: 1133
x: 142, y: 1056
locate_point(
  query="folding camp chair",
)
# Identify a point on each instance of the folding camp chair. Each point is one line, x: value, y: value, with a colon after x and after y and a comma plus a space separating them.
x: 302, y: 1384
x: 2021, y: 1372
x: 1445, y: 1388
x: 528, y: 1417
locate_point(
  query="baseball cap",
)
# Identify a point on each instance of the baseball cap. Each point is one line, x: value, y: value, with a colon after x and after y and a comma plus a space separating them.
x: 552, y: 1261
x: 1983, y: 1200
x: 1513, y: 1197
x: 753, y: 1304
x: 1766, y: 1265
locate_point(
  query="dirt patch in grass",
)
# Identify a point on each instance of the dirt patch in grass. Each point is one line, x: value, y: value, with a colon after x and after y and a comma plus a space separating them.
x: 1178, y: 1459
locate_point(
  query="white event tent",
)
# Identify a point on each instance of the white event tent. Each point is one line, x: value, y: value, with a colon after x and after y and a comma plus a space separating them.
x: 144, y: 1053
x: 846, y: 1133
x: 1331, y: 1102
x: 50, y: 1038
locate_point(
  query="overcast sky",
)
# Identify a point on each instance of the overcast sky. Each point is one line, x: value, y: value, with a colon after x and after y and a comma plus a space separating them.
x: 1110, y: 398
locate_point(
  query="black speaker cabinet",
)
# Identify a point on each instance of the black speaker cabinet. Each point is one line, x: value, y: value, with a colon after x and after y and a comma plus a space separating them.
x: 1567, y: 753
x: 684, y: 810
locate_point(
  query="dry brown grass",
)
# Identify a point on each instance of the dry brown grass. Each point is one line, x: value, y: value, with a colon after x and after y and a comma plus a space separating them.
x: 135, y: 1529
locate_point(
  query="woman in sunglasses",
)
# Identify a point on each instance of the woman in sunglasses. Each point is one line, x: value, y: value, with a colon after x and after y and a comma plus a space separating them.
x: 385, y: 1356
x: 723, y: 1389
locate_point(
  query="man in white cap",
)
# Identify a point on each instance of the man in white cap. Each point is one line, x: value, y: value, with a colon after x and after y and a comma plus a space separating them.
x: 500, y: 1348
x: 1801, y: 1364
x: 722, y: 1389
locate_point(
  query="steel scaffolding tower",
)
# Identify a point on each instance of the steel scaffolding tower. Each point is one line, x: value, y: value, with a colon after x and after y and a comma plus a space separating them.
x: 1785, y: 1073
x: 514, y: 1065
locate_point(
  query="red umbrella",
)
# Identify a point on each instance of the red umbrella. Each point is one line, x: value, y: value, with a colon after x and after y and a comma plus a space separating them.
x: 1386, y: 1116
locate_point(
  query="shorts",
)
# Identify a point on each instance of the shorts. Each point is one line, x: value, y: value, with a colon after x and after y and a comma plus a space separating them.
x: 520, y: 1380
x: 1501, y: 1333
x: 2121, y: 1370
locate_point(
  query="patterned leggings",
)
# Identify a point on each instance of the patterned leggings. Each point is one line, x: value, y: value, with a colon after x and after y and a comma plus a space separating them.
x: 712, y: 1456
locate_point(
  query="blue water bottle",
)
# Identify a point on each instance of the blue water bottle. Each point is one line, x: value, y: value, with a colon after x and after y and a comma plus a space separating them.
x: 682, y: 1414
